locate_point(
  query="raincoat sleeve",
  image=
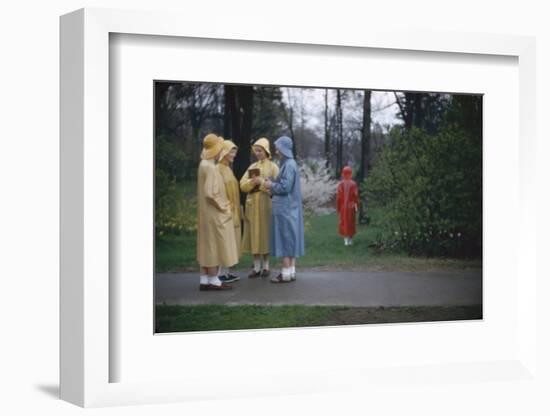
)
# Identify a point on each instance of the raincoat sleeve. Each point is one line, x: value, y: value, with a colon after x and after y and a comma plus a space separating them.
x: 284, y: 182
x: 272, y: 175
x: 212, y: 190
x: 246, y: 183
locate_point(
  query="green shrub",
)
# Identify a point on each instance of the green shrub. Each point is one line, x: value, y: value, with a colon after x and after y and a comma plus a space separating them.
x: 171, y: 158
x: 430, y: 189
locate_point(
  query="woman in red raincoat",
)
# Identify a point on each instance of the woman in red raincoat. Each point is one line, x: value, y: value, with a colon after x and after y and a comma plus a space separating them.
x: 347, y: 199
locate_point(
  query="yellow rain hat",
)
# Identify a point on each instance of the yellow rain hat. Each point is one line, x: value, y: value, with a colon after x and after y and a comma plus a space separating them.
x: 264, y: 144
x: 211, y: 146
x: 227, y: 146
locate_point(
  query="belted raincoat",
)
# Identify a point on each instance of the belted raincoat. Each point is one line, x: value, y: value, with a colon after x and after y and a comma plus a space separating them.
x: 257, y: 211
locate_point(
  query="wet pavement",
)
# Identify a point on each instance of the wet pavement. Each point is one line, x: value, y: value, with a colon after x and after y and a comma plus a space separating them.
x: 349, y: 288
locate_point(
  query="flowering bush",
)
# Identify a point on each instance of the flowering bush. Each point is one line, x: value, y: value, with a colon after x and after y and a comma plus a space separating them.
x: 174, y: 214
x: 318, y: 188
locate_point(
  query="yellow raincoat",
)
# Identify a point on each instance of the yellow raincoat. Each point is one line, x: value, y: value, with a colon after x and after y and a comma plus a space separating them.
x: 215, y: 232
x: 233, y: 194
x: 257, y: 213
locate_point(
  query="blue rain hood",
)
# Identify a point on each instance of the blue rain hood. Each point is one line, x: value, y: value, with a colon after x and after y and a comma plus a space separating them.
x: 284, y: 145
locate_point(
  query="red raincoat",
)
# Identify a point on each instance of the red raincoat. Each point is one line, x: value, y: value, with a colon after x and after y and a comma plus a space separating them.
x: 347, y: 200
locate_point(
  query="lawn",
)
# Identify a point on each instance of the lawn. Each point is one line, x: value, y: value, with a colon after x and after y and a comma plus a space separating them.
x: 324, y: 249
x: 179, y: 318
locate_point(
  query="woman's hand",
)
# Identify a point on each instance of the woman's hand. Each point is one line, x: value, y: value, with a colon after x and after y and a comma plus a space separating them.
x: 267, y: 184
x: 256, y: 180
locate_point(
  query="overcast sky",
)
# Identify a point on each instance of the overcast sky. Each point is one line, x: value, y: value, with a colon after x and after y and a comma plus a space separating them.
x: 383, y: 106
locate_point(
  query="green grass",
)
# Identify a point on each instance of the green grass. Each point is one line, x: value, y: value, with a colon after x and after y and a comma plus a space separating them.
x: 324, y: 248
x: 178, y: 318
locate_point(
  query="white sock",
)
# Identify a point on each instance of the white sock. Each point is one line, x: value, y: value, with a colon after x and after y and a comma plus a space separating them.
x: 256, y: 265
x: 214, y: 280
x: 286, y: 273
x: 345, y: 241
x: 350, y: 241
x: 293, y: 270
x: 204, y: 279
x: 222, y: 271
x: 266, y: 265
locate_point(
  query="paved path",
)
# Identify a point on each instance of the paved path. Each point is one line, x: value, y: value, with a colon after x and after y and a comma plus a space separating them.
x: 331, y: 288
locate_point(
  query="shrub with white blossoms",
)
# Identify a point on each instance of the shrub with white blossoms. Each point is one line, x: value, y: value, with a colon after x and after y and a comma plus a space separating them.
x: 318, y: 187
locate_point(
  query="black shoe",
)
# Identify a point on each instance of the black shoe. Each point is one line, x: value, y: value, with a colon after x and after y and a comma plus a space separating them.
x: 265, y: 273
x: 229, y: 278
x: 234, y: 277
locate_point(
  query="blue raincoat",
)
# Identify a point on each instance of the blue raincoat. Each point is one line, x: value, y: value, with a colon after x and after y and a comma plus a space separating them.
x: 287, y: 223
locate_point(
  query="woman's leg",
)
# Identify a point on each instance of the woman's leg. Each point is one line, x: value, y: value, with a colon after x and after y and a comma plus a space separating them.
x: 256, y: 271
x: 213, y: 276
x: 287, y: 267
x: 211, y: 279
x: 204, y: 276
x: 265, y: 265
x: 285, y: 275
x: 287, y: 262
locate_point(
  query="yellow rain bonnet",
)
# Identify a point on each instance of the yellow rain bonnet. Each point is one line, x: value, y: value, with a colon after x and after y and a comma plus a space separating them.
x: 227, y: 146
x: 211, y: 146
x: 264, y: 144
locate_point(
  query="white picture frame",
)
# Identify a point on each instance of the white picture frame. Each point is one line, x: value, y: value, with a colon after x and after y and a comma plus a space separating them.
x: 85, y: 356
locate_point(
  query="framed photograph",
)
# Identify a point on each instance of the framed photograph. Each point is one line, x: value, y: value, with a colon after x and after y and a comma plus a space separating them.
x: 136, y: 326
x: 382, y: 223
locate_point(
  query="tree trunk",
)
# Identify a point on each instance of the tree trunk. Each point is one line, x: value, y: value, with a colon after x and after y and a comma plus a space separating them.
x: 228, y: 102
x: 290, y: 122
x: 365, y: 153
x: 339, y: 134
x: 160, y: 96
x: 246, y: 98
x: 365, y: 138
x: 327, y: 135
x: 418, y: 116
x: 238, y: 115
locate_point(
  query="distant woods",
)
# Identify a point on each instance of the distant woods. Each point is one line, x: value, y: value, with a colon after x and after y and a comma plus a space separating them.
x: 335, y: 130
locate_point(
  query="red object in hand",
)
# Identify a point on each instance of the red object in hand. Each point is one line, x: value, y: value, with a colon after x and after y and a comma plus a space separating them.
x: 347, y: 198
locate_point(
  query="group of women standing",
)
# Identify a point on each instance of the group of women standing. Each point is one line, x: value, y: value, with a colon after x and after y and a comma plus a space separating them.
x: 273, y: 220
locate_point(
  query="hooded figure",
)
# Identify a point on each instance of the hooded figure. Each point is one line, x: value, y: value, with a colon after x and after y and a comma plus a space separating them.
x: 257, y: 212
x: 226, y: 157
x: 347, y: 198
x: 287, y: 224
x: 215, y: 229
x: 231, y: 188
